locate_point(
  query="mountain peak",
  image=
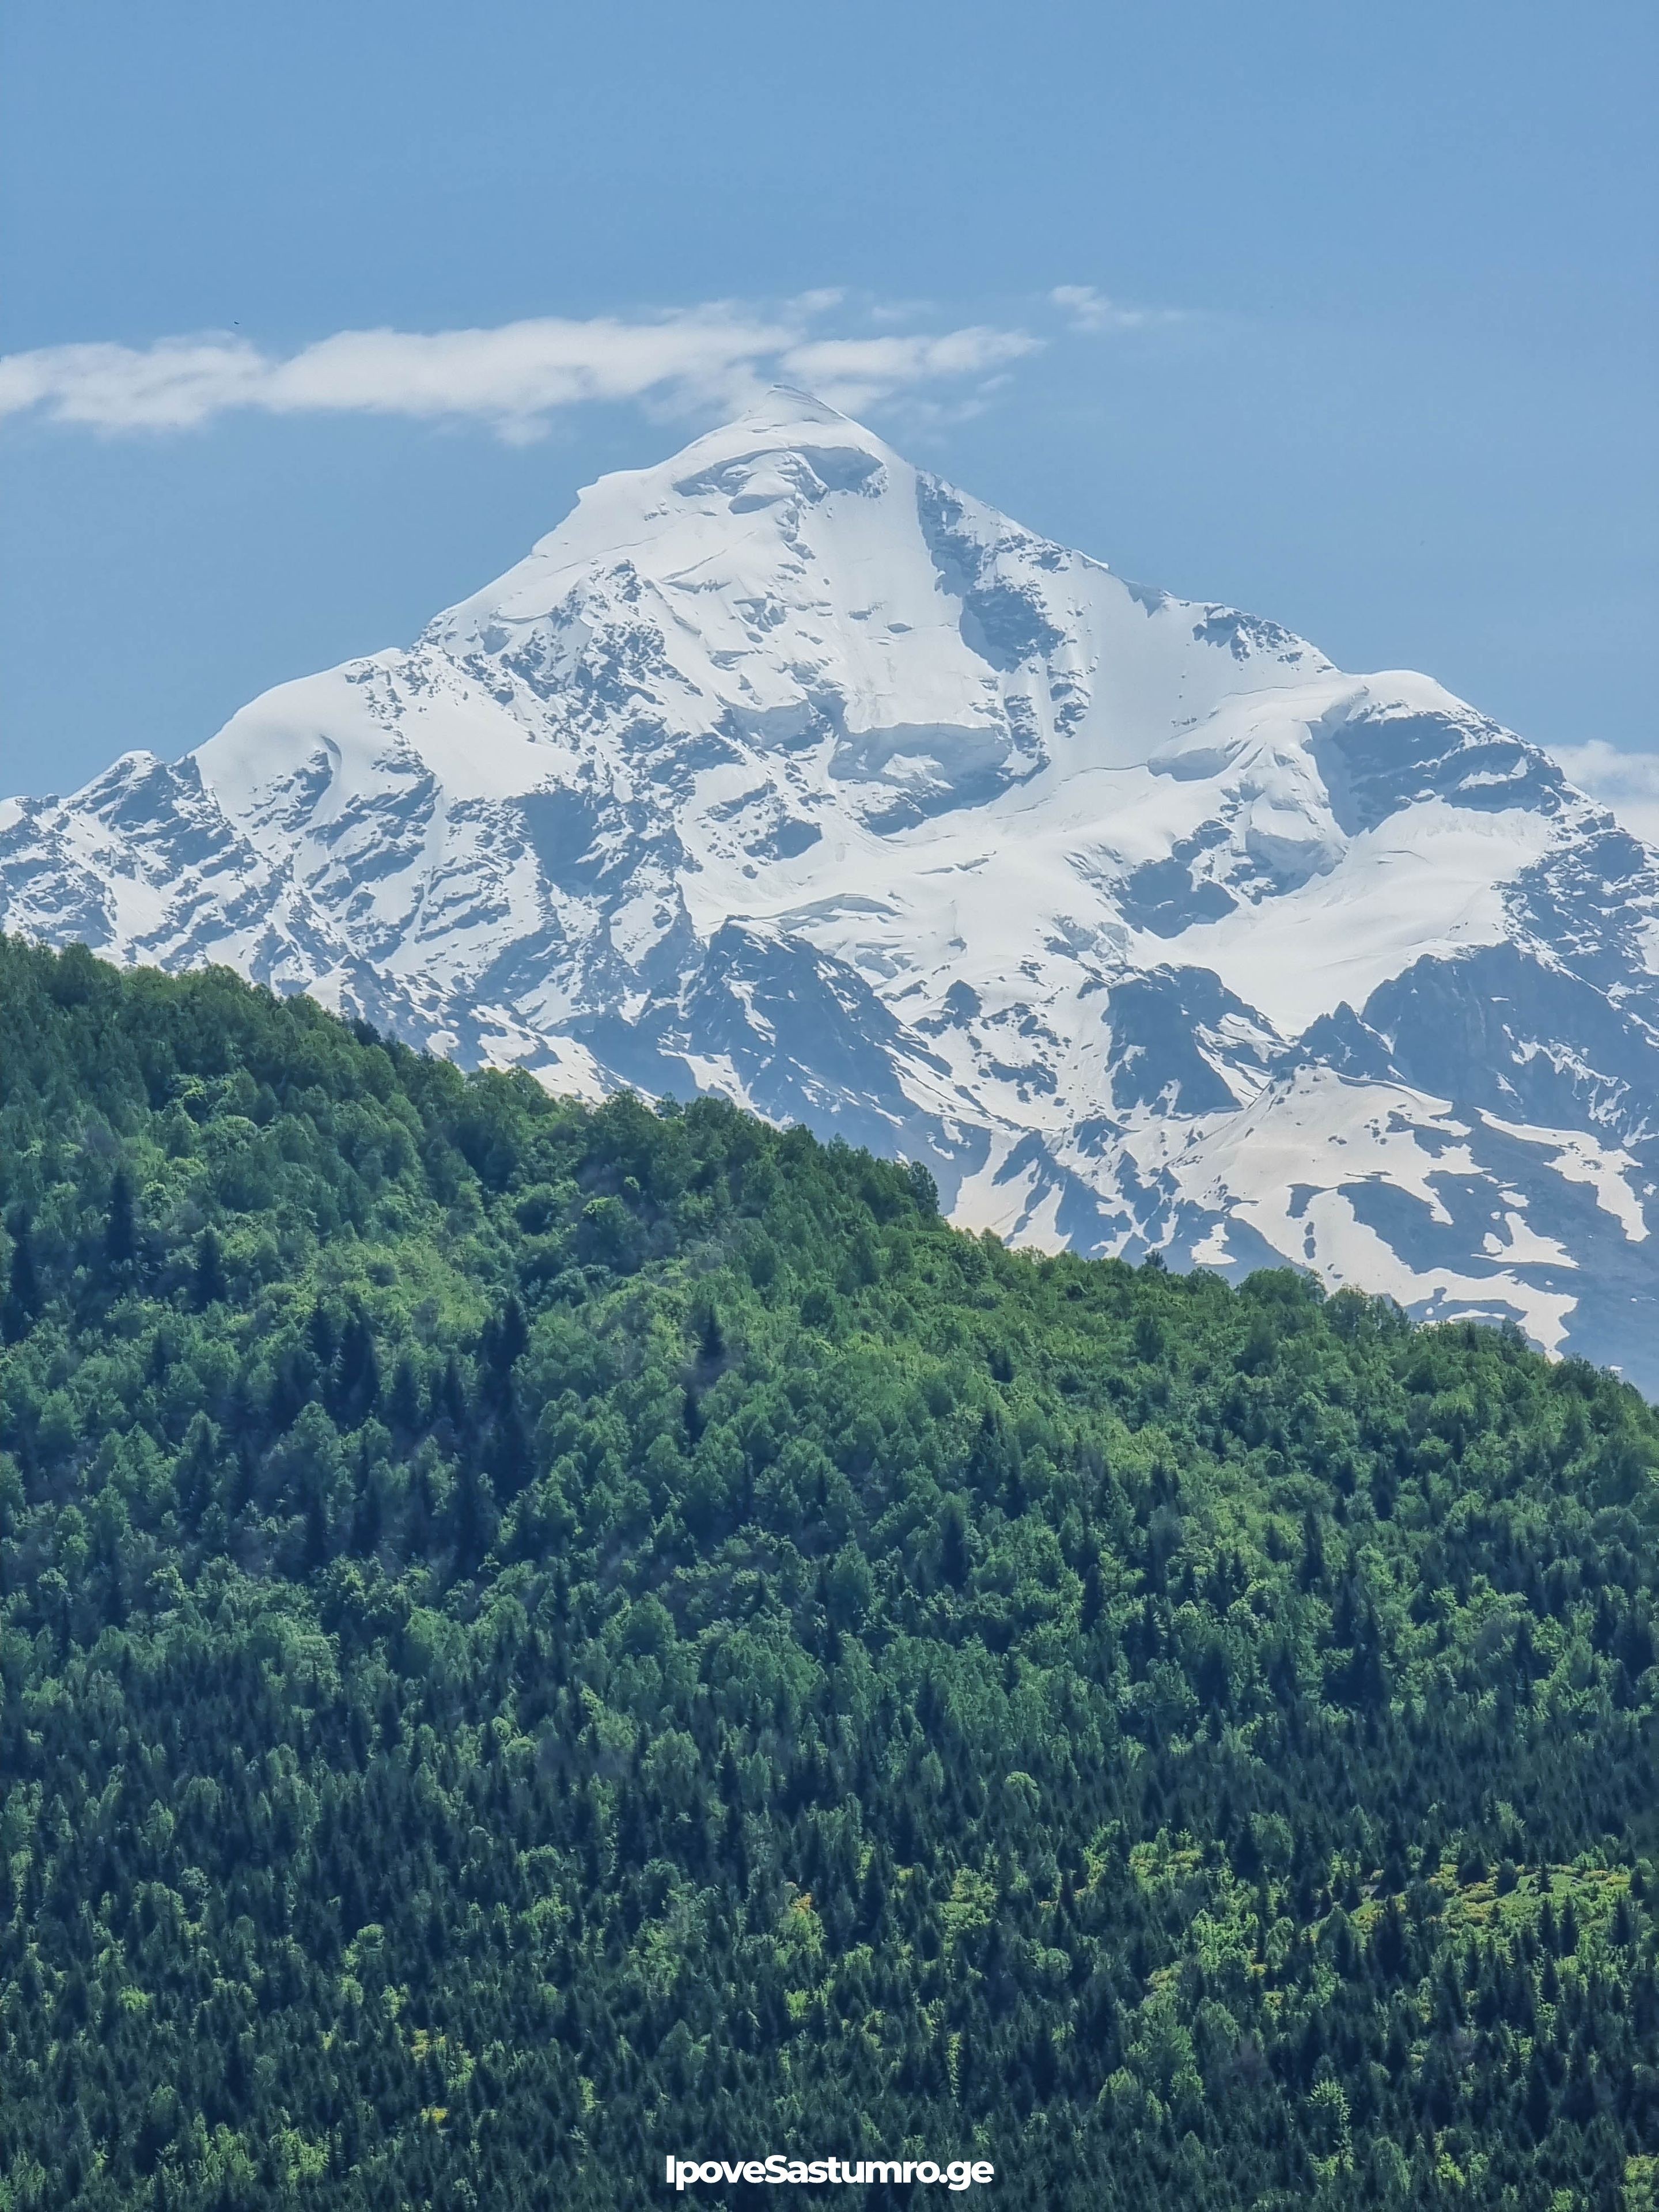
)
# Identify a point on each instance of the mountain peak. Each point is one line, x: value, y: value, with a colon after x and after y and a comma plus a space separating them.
x: 783, y: 408
x: 780, y: 420
x: 780, y: 768
x: 785, y: 448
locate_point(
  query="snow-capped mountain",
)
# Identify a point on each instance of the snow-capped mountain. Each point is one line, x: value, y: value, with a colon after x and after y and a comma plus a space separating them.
x: 785, y: 770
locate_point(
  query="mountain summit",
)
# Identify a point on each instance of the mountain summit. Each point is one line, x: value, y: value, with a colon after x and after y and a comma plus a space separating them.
x: 786, y: 771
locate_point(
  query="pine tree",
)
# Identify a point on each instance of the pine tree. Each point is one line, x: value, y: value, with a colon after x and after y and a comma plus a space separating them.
x: 120, y: 1230
x: 23, y: 1290
x: 210, y: 1286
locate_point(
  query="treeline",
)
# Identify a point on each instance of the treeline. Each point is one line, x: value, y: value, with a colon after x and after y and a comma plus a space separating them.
x: 534, y: 1638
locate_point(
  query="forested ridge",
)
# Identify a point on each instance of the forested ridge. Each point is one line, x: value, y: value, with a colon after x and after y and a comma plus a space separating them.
x: 534, y: 1638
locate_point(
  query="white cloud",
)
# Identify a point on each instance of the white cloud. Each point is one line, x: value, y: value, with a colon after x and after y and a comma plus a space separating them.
x: 513, y: 377
x: 854, y: 372
x: 516, y: 376
x: 1626, y: 783
x: 167, y: 385
x: 1089, y: 310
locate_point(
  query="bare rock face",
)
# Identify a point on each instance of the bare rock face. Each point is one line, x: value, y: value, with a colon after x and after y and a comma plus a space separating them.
x: 786, y: 771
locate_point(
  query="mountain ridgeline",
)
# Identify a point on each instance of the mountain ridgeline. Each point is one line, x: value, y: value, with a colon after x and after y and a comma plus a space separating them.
x: 534, y: 1636
x: 783, y: 771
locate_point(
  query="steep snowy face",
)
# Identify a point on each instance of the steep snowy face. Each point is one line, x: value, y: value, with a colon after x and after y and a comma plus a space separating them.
x: 784, y: 635
x: 784, y: 769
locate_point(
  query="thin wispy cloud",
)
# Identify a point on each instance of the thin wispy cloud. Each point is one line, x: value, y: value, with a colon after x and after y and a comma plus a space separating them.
x: 1626, y: 784
x: 1086, y: 309
x: 514, y: 377
x: 856, y: 372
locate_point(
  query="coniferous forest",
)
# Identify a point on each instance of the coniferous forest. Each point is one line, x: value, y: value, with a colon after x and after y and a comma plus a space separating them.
x: 533, y: 1638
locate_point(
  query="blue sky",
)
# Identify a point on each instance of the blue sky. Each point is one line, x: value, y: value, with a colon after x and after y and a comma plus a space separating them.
x: 1355, y: 322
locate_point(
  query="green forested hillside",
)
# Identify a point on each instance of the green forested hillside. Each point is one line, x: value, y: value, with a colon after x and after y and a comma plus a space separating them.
x: 533, y: 1638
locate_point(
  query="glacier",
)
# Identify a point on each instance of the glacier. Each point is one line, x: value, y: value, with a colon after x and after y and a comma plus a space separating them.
x: 787, y: 771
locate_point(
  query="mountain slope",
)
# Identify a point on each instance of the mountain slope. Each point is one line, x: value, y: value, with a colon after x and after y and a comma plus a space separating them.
x: 533, y: 1638
x: 783, y: 770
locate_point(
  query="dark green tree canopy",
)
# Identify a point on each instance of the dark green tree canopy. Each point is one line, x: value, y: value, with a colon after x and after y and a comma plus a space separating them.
x: 535, y: 1637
